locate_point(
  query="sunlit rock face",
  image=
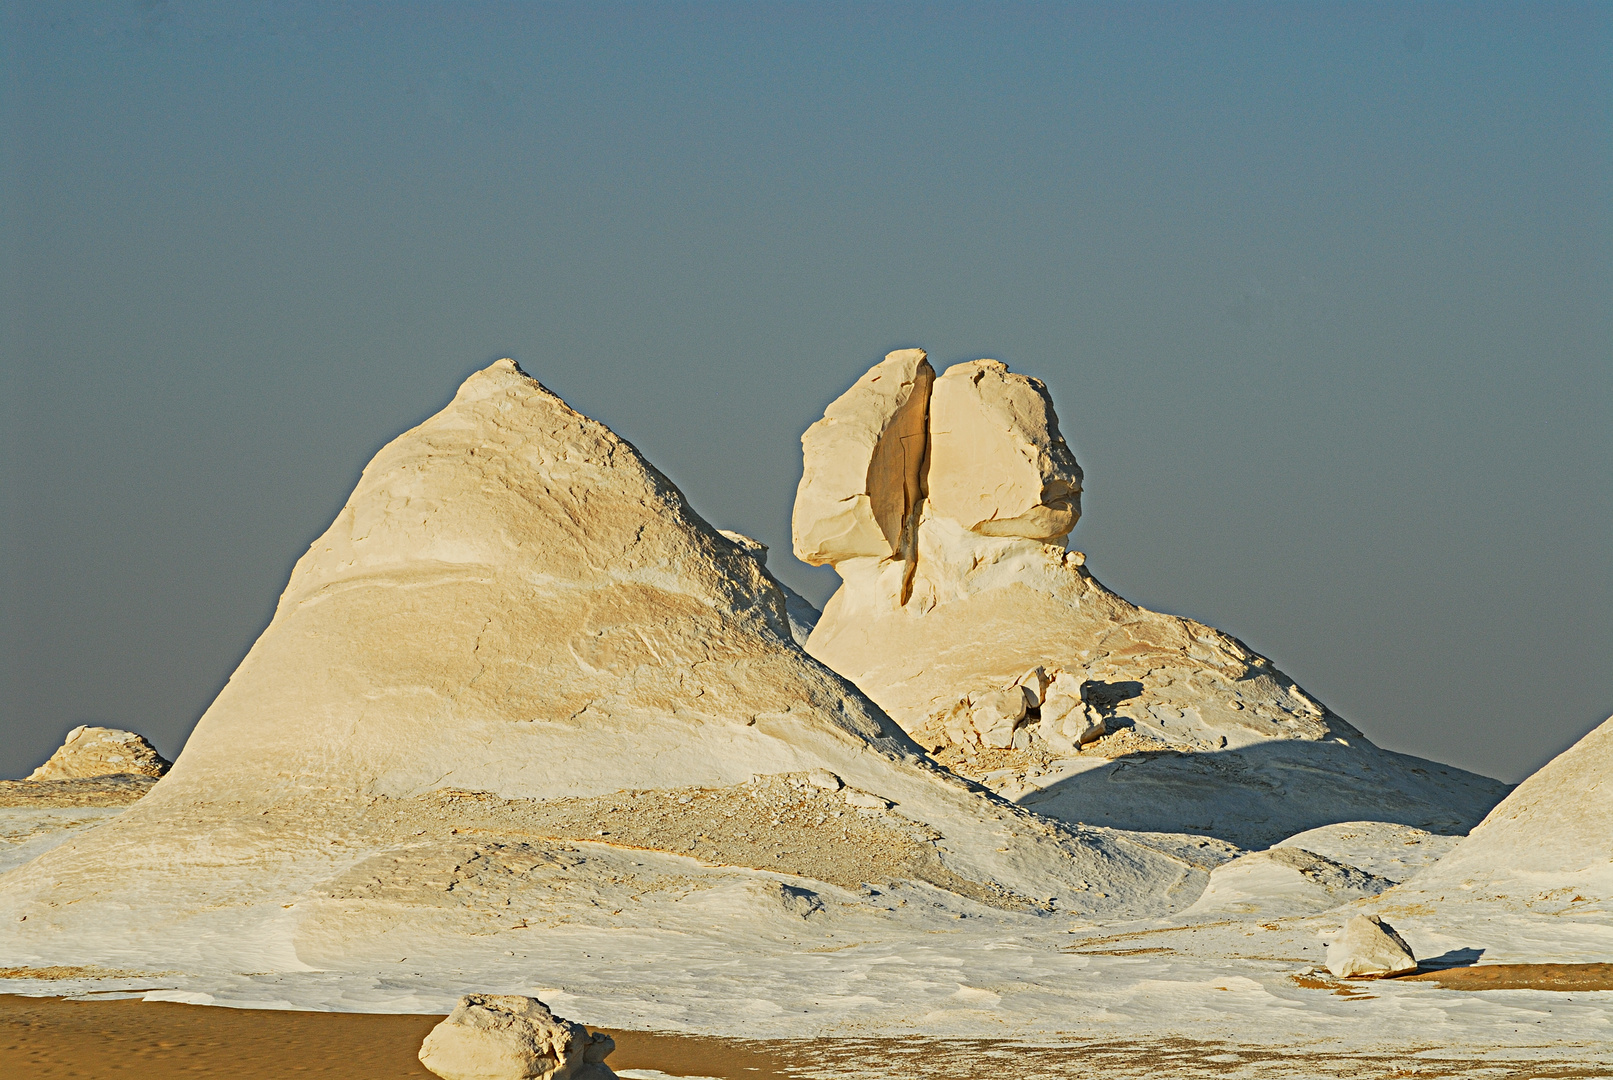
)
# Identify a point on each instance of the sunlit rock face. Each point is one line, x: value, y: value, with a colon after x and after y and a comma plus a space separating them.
x: 1135, y: 718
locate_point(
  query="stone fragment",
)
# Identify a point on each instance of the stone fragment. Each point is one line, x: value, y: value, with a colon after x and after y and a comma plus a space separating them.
x: 998, y: 465
x: 864, y: 801
x: 996, y: 714
x: 510, y: 1037
x: 823, y: 778
x: 1368, y: 946
x: 99, y: 751
x: 1036, y: 680
x: 861, y: 475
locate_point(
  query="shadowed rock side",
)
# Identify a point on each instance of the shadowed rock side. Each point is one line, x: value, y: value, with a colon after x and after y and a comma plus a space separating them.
x: 515, y: 604
x: 1002, y: 654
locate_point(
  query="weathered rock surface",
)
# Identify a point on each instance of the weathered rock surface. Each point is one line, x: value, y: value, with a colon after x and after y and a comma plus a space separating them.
x: 861, y: 479
x: 1381, y: 848
x: 797, y: 608
x: 998, y: 465
x: 514, y: 605
x: 1183, y: 726
x: 510, y: 1037
x: 99, y: 751
x: 1368, y: 946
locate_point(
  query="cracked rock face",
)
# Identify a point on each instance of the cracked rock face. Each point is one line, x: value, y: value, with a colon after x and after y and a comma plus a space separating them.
x: 1195, y: 731
x: 860, y: 484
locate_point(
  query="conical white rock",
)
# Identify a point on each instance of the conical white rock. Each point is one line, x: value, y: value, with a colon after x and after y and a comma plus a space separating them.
x: 517, y: 622
x: 1202, y: 735
x: 1368, y: 946
x: 1546, y: 844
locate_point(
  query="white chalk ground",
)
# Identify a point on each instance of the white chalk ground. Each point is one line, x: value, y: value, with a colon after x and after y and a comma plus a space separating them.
x: 721, y: 955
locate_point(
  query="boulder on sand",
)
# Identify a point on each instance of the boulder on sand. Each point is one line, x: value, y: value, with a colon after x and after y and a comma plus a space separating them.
x: 1368, y: 946
x: 510, y: 1037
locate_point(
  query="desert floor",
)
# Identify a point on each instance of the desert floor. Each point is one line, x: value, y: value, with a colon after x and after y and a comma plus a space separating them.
x: 51, y: 1038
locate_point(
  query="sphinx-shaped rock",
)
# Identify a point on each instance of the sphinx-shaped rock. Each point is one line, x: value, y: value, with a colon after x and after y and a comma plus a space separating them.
x: 1187, y: 728
x: 511, y: 1037
x: 99, y: 751
x: 515, y: 637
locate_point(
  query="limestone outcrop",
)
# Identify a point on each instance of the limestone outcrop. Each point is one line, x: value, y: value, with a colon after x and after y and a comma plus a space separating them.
x: 517, y: 638
x: 511, y: 1037
x: 1135, y: 718
x: 1369, y: 947
x: 99, y: 751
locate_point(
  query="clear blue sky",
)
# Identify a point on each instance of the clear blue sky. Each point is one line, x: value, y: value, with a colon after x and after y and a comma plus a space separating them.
x: 1321, y: 291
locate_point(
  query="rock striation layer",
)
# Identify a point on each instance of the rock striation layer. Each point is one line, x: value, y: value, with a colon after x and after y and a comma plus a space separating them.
x: 516, y: 613
x: 1004, y: 656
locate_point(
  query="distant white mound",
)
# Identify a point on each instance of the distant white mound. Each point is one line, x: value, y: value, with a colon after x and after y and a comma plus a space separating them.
x: 944, y: 504
x: 98, y: 751
x: 1548, y: 846
x: 519, y: 682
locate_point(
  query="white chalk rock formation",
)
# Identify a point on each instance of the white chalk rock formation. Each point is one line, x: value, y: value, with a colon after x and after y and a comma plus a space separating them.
x: 1186, y: 727
x: 998, y: 465
x: 516, y: 613
x: 1366, y: 947
x: 510, y: 1037
x: 1548, y: 846
x: 1381, y: 848
x: 99, y: 751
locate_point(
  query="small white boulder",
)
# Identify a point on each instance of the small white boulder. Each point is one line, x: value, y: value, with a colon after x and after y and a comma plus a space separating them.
x: 1368, y: 946
x: 510, y: 1037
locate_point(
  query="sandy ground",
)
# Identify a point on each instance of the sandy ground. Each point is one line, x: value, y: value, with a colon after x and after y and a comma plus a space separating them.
x: 54, y: 1039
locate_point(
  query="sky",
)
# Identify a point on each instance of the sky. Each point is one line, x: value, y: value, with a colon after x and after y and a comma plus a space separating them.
x: 1321, y: 292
